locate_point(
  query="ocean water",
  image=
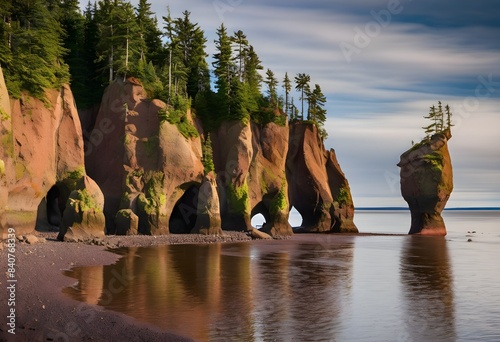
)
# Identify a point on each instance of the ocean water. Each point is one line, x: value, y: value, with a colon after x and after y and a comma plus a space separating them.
x: 316, y: 287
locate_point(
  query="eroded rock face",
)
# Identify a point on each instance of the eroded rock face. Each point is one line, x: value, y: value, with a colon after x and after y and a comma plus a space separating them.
x: 83, y: 216
x: 140, y: 163
x: 317, y: 186
x: 208, y: 221
x: 250, y: 162
x: 233, y: 153
x: 426, y: 183
x: 268, y: 188
x: 41, y: 148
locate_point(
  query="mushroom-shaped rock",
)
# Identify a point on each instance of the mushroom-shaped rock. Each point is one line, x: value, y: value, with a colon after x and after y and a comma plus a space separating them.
x: 427, y: 182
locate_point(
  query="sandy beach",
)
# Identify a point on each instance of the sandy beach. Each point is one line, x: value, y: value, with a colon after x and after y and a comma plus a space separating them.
x: 44, y: 313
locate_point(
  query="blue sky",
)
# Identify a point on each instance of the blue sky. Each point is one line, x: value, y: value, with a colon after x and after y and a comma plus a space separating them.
x: 381, y: 64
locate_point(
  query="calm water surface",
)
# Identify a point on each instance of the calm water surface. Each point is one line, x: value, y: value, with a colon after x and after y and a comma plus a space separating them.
x: 315, y: 287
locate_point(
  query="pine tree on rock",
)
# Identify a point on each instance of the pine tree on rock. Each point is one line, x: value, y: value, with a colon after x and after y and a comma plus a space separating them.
x: 301, y: 84
x: 287, y: 85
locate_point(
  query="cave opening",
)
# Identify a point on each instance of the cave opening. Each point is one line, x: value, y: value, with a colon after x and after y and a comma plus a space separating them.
x: 51, y: 208
x: 258, y: 221
x: 260, y: 216
x: 183, y: 217
x: 295, y: 218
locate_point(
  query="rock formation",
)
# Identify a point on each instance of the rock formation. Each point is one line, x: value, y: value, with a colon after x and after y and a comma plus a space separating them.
x: 250, y: 160
x: 149, y: 176
x: 317, y: 186
x: 83, y: 216
x: 208, y: 221
x: 427, y: 182
x: 41, y: 158
x: 143, y: 163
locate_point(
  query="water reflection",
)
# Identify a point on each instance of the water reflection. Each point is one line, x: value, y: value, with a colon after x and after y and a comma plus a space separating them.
x: 427, y: 290
x: 245, y: 291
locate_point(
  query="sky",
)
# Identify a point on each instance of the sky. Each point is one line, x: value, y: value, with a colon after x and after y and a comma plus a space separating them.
x: 381, y: 64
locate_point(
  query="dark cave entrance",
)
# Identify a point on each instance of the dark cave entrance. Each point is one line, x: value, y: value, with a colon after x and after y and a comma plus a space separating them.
x: 183, y: 217
x: 51, y: 208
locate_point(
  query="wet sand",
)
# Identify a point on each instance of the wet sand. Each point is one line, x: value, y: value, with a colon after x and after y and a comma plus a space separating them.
x: 44, y: 313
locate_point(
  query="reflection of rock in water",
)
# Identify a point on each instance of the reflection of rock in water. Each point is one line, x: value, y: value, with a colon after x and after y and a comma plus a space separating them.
x: 223, y: 292
x: 427, y: 288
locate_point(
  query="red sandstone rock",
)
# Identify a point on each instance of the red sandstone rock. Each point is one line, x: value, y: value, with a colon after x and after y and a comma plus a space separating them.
x: 426, y: 183
x: 41, y: 148
x: 141, y: 163
x: 317, y: 186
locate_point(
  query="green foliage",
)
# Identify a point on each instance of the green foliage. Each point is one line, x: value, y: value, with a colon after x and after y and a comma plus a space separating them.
x: 280, y: 201
x: 2, y: 168
x: 34, y: 61
x: 87, y: 201
x: 238, y: 199
x: 435, y: 159
x: 153, y: 198
x: 207, y: 157
x: 343, y: 197
x: 151, y: 144
x: 3, y: 115
x: 76, y: 174
x: 7, y: 143
x: 437, y: 118
x: 178, y: 117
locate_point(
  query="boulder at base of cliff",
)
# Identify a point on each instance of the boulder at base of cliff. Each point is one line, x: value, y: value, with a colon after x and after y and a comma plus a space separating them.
x: 83, y: 216
x: 208, y: 220
x: 127, y: 223
x: 426, y: 183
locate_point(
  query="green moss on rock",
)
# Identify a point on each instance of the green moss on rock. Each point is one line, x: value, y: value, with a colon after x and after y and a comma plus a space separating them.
x: 238, y: 198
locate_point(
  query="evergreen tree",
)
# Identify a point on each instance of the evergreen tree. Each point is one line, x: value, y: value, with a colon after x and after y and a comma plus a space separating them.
x: 431, y: 128
x: 37, y: 49
x: 252, y: 65
x: 191, y: 43
x: 5, y: 34
x: 448, y: 117
x: 73, y: 24
x: 223, y: 68
x: 301, y: 84
x: 94, y: 84
x: 316, y: 103
x: 241, y: 48
x: 440, y: 118
x: 287, y: 85
x: 208, y: 155
x: 272, y: 83
x: 150, y: 36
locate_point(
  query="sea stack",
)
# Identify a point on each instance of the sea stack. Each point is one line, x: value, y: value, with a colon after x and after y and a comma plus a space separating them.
x: 427, y: 182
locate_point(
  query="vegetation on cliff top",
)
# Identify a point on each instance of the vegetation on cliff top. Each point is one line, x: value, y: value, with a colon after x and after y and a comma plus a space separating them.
x: 44, y: 43
x: 440, y: 122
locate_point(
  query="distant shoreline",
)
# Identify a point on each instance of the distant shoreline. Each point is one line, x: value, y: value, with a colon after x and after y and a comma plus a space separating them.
x: 446, y: 209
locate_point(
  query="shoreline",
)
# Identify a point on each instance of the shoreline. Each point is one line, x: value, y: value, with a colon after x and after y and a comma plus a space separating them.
x: 43, y: 312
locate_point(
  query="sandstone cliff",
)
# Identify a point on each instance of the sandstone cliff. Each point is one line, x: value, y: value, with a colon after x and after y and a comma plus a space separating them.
x: 317, y: 186
x: 149, y: 176
x: 427, y: 182
x: 143, y: 164
x: 41, y: 158
x: 250, y: 161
